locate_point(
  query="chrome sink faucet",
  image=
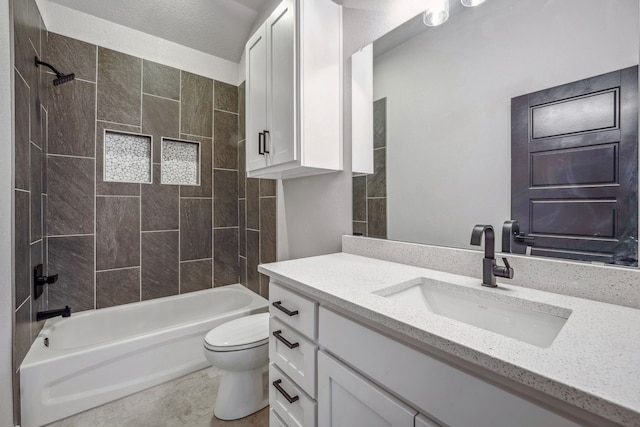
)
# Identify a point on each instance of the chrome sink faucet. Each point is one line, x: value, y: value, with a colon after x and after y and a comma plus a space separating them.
x: 490, y: 270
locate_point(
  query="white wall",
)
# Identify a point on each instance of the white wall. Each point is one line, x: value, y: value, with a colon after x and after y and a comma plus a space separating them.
x: 448, y: 103
x: 6, y: 239
x: 314, y: 212
x: 81, y: 26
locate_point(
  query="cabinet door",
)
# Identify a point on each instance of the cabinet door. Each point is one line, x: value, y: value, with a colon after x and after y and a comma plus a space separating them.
x: 281, y: 86
x: 256, y: 57
x: 346, y: 399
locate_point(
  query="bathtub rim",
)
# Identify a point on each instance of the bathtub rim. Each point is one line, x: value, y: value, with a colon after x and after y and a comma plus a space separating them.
x: 39, y: 353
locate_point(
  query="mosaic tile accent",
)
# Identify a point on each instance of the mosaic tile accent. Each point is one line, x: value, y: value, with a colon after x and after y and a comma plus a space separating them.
x: 180, y: 162
x: 127, y: 157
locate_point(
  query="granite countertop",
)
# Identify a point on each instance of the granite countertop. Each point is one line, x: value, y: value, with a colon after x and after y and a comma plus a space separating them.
x: 594, y: 362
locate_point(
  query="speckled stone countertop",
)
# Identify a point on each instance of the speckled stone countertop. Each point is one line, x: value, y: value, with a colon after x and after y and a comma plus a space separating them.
x: 594, y: 362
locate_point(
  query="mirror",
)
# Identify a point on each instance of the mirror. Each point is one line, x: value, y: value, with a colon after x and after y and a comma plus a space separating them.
x: 442, y: 108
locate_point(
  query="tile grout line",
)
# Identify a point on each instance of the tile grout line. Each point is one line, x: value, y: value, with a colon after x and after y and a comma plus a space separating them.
x: 95, y: 190
x: 157, y: 96
x: 179, y: 191
x: 140, y: 189
x: 69, y: 156
x: 117, y: 269
x: 196, y: 260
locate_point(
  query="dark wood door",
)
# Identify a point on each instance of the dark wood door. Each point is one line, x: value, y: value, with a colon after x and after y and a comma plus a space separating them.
x: 574, y: 169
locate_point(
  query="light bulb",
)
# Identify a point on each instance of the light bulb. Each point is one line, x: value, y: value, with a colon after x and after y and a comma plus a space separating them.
x: 437, y: 13
x: 472, y: 3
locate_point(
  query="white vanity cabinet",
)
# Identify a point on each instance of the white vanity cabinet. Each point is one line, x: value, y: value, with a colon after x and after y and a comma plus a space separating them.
x: 293, y: 93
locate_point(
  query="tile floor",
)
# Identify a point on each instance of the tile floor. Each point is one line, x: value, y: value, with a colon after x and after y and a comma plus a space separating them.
x: 186, y: 401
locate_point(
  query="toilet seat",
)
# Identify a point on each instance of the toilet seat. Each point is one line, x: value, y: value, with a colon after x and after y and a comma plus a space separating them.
x: 239, y: 334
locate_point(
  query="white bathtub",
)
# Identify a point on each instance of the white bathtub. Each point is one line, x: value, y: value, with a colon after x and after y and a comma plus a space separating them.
x: 94, y: 357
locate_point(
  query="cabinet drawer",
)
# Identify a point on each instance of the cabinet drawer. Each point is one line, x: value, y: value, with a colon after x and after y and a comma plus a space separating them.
x: 299, y: 413
x: 275, y: 420
x: 293, y: 310
x: 299, y: 363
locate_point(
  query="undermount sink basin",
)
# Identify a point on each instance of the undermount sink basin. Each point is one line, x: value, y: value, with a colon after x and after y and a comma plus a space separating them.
x: 529, y: 321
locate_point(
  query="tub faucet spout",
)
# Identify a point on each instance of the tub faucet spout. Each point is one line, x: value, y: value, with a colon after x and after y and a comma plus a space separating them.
x: 64, y: 312
x: 490, y: 270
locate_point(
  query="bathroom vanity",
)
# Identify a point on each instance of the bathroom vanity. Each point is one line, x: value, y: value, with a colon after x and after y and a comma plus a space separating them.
x: 359, y: 341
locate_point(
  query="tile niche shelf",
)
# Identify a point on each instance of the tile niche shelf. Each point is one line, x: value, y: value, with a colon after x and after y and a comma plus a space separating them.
x: 127, y: 157
x: 180, y: 162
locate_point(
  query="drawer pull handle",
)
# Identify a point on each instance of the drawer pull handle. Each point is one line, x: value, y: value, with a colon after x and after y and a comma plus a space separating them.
x: 261, y: 138
x: 285, y: 341
x: 278, y: 387
x: 278, y: 305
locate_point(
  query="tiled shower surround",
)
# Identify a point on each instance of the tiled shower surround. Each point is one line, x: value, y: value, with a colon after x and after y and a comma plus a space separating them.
x: 115, y: 243
x: 370, y: 191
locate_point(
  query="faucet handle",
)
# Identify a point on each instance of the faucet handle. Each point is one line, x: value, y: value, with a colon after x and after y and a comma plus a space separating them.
x: 506, y: 271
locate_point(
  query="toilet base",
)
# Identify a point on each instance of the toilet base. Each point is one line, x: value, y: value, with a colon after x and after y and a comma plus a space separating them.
x: 241, y: 393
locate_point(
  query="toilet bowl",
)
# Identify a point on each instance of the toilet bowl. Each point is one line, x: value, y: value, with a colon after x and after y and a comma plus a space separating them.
x: 241, y: 349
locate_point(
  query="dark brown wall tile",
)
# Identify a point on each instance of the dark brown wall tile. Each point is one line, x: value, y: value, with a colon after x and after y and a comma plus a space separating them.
x: 377, y: 183
x: 116, y: 287
x: 225, y: 256
x: 241, y: 111
x: 72, y: 259
x: 206, y: 175
x: 37, y: 94
x: 267, y: 187
x: 119, y: 87
x: 195, y: 229
x: 225, y: 201
x: 22, y: 151
x: 72, y: 56
x: 377, y: 218
x: 380, y: 123
x: 160, y: 264
x: 225, y: 97
x: 22, y: 247
x: 242, y: 222
x: 22, y: 333
x: 359, y: 198
x: 117, y: 232
x: 253, y: 259
x: 242, y: 170
x: 225, y: 131
x: 264, y: 286
x: 160, y: 204
x: 25, y: 29
x: 161, y: 80
x: 360, y: 228
x: 36, y: 193
x: 242, y: 263
x: 160, y: 118
x: 268, y: 230
x: 16, y: 394
x: 70, y: 201
x: 72, y: 115
x: 45, y: 137
x: 253, y: 203
x: 195, y: 276
x: 112, y: 188
x: 197, y: 105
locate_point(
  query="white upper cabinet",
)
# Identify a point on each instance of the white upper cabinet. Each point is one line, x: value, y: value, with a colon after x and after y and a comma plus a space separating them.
x: 294, y: 91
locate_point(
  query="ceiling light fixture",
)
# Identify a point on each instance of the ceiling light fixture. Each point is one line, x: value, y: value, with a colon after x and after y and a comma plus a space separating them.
x: 472, y: 3
x: 436, y: 13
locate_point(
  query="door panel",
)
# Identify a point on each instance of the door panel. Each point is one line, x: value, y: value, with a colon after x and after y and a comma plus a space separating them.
x: 574, y: 169
x: 282, y: 84
x: 256, y: 98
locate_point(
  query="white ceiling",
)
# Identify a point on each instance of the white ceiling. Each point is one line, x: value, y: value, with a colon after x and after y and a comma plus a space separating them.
x: 216, y: 27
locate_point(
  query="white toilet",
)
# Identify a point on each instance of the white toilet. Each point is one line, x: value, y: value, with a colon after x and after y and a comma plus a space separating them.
x: 240, y: 348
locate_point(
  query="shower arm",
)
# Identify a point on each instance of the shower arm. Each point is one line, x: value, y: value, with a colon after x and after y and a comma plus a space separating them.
x: 38, y: 63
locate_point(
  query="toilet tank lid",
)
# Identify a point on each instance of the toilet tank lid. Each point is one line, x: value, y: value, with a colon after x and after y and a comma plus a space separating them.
x: 241, y: 331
